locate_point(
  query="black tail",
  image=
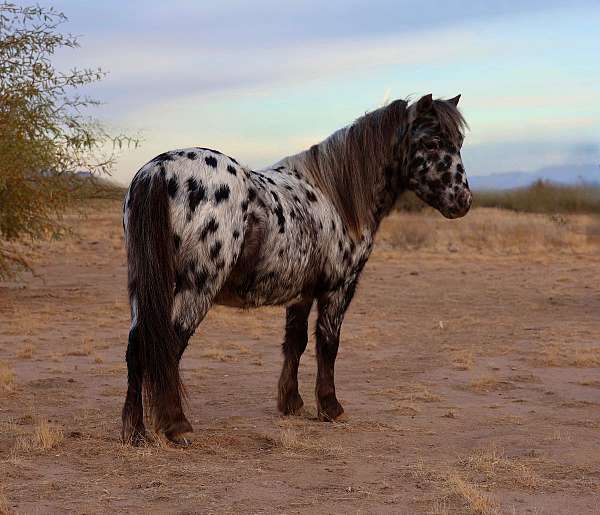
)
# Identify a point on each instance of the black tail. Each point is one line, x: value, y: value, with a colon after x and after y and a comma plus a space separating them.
x: 151, y: 278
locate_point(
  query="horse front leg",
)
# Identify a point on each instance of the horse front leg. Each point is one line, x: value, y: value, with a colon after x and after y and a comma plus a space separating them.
x: 289, y: 401
x: 331, y: 314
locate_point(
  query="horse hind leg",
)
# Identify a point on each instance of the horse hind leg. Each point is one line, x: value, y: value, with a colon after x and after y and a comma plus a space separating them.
x: 201, y: 272
x: 189, y: 311
x: 168, y: 417
x: 133, y: 431
x: 192, y: 301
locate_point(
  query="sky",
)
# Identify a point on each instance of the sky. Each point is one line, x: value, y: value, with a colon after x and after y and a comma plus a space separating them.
x: 264, y: 79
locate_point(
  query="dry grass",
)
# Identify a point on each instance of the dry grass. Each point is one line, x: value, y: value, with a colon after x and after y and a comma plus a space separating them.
x: 44, y: 437
x: 439, y: 508
x: 216, y: 354
x: 420, y: 392
x: 460, y: 484
x: 409, y: 409
x: 474, y: 500
x: 412, y: 236
x: 594, y: 383
x: 84, y: 350
x: 225, y: 352
x: 299, y: 441
x: 7, y: 378
x: 488, y: 231
x: 4, y: 506
x: 543, y: 197
x: 26, y: 351
x: 489, y: 383
x: 556, y: 355
x: 456, y: 489
x: 497, y: 468
x: 463, y: 360
x: 412, y: 392
x: 407, y: 397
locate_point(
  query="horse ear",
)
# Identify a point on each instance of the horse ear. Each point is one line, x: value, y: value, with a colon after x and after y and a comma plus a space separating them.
x: 454, y: 100
x: 425, y: 103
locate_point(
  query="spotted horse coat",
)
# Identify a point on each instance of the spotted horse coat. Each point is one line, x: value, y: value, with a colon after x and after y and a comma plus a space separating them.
x: 203, y: 229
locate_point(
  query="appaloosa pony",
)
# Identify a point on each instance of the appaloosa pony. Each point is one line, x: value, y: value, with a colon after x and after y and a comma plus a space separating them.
x: 202, y: 229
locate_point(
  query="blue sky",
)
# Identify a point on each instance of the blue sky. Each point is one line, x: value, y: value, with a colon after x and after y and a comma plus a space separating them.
x: 260, y: 80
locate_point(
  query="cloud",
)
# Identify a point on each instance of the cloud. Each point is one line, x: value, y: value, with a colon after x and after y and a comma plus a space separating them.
x: 266, y: 78
x: 266, y: 23
x: 142, y: 71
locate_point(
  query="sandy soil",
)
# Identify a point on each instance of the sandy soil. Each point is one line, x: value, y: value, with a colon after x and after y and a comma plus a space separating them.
x: 469, y: 369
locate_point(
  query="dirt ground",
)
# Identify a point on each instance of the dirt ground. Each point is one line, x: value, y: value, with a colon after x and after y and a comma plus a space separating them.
x: 469, y: 369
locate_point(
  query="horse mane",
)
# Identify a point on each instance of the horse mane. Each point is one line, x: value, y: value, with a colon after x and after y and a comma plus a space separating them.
x: 451, y: 120
x: 348, y: 164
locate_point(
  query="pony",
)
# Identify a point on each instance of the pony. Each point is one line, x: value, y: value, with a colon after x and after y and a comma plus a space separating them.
x: 203, y: 229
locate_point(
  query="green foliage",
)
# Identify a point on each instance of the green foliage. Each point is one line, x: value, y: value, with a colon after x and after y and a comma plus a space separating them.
x: 45, y: 133
x: 543, y: 197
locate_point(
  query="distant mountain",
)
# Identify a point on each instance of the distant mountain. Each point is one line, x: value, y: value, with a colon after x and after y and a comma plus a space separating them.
x: 560, y: 174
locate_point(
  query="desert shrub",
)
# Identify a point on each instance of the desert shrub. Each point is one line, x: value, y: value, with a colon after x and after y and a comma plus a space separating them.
x: 45, y: 134
x: 540, y: 197
x: 543, y: 197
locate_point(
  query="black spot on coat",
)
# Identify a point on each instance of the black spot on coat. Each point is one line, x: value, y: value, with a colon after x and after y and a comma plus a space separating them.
x: 163, y: 157
x: 196, y: 193
x: 215, y: 250
x: 172, y: 186
x: 210, y: 228
x: 211, y: 161
x: 280, y: 218
x: 200, y: 279
x: 222, y: 193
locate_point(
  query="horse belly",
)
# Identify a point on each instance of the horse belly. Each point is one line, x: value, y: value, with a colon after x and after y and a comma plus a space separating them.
x: 265, y: 287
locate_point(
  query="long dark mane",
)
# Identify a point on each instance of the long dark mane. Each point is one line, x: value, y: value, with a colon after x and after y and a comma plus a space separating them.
x: 346, y: 166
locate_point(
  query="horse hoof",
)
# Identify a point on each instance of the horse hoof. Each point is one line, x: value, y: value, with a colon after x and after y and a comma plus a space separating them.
x: 342, y: 418
x: 176, y: 433
x: 134, y: 438
x: 179, y: 441
x: 330, y: 410
x: 291, y: 406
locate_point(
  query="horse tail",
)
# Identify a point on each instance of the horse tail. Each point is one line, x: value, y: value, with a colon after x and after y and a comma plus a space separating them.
x: 151, y: 255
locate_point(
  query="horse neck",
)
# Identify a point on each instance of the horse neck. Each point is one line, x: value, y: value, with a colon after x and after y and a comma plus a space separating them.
x: 391, y: 183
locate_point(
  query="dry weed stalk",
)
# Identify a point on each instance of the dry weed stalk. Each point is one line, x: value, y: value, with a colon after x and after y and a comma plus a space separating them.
x: 44, y: 437
x: 476, y: 502
x: 7, y: 378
